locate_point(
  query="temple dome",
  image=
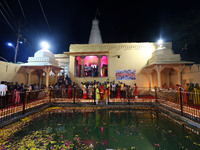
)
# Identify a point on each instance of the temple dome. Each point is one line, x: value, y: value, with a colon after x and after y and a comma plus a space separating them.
x: 95, y: 34
x: 44, y: 53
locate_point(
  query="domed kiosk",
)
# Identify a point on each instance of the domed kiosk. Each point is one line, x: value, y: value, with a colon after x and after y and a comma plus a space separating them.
x: 43, y: 62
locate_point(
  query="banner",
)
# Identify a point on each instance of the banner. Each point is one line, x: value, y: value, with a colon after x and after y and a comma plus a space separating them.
x: 125, y: 74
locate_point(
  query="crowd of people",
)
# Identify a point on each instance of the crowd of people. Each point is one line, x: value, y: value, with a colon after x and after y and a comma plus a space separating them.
x: 88, y: 90
x: 97, y: 90
x: 190, y: 92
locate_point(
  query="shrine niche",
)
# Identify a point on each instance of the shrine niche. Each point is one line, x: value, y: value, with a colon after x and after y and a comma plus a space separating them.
x: 91, y: 66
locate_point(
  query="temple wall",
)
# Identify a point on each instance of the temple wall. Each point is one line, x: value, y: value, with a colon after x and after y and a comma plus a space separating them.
x: 193, y: 77
x: 14, y: 73
x: 132, y: 56
x: 174, y: 79
x: 191, y: 74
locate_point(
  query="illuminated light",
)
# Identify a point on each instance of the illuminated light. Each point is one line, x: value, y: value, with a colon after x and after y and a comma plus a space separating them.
x: 91, y: 146
x: 160, y: 42
x: 10, y: 44
x: 44, y: 45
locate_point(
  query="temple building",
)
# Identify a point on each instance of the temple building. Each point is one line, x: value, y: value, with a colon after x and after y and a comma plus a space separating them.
x: 147, y: 64
x: 43, y: 64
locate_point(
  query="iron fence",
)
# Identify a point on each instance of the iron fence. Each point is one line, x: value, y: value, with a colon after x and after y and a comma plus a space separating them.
x: 184, y: 103
x: 15, y: 104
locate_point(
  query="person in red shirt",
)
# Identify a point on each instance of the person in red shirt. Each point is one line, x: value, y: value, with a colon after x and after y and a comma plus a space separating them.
x: 136, y: 88
x: 101, y: 91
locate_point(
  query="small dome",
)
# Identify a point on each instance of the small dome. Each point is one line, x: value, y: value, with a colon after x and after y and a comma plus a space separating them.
x: 44, y: 53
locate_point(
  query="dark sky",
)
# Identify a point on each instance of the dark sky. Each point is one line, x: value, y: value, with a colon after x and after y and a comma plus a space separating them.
x: 70, y: 23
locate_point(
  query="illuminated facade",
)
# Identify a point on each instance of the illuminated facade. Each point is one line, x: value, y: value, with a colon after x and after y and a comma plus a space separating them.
x: 149, y: 63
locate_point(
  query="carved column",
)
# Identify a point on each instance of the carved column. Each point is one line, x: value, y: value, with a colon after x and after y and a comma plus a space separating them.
x: 56, y: 72
x: 82, y: 66
x: 158, y: 69
x: 150, y: 77
x: 40, y: 82
x: 167, y: 72
x: 29, y: 71
x: 47, y: 70
x: 179, y: 70
x: 99, y: 69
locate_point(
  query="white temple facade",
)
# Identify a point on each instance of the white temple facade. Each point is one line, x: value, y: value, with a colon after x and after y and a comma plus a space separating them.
x: 44, y: 63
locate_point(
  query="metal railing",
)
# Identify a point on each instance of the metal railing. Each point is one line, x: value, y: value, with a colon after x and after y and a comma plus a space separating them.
x: 16, y: 104
x: 184, y: 103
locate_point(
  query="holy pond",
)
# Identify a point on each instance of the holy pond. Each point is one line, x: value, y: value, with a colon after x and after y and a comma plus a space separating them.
x: 89, y: 128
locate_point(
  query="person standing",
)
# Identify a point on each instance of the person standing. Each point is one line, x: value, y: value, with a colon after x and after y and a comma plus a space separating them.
x: 136, y: 89
x: 121, y: 90
x: 69, y: 91
x: 84, y: 88
x: 101, y: 91
x: 16, y: 96
x: 106, y: 95
x: 97, y: 95
x: 113, y: 88
x: 63, y: 89
x: 3, y: 90
x: 118, y: 91
x: 90, y: 90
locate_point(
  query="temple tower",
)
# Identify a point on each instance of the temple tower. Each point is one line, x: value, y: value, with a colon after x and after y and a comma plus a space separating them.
x: 95, y: 34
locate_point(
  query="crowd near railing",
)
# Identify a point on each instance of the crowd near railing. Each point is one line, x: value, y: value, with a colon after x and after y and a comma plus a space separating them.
x: 180, y: 101
x: 16, y: 104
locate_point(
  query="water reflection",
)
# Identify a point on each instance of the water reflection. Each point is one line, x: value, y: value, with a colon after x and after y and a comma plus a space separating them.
x: 87, y: 128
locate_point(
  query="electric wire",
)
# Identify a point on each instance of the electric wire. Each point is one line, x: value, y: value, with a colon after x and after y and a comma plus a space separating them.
x: 8, y: 8
x: 44, y: 15
x: 5, y: 11
x: 21, y: 9
x: 8, y: 21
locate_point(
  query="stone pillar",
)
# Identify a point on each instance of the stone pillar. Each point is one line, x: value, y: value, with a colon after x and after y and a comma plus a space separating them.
x: 40, y: 82
x: 150, y: 78
x: 99, y: 69
x: 56, y: 72
x: 29, y: 71
x: 179, y: 70
x: 82, y: 66
x: 158, y: 69
x: 168, y: 76
x: 47, y: 70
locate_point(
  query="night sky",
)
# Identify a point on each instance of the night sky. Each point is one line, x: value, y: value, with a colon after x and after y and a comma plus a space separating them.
x: 69, y: 22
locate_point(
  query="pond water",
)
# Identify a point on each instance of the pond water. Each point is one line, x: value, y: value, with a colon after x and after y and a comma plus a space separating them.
x: 88, y: 128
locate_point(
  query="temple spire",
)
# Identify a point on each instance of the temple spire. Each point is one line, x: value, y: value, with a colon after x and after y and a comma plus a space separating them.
x: 95, y: 34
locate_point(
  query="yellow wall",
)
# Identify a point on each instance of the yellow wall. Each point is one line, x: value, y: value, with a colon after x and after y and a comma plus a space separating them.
x: 191, y: 74
x: 15, y: 73
x: 132, y: 56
